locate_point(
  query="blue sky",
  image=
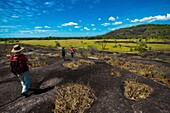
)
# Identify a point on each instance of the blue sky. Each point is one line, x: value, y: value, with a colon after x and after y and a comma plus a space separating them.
x: 40, y: 18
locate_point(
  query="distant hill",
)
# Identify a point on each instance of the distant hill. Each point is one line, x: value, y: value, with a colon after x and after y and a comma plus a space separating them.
x: 142, y: 31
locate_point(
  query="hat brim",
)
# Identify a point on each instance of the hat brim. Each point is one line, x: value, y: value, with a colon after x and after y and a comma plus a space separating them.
x: 15, y: 51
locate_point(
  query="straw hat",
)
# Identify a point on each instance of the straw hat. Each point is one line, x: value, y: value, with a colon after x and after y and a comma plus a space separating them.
x: 17, y: 48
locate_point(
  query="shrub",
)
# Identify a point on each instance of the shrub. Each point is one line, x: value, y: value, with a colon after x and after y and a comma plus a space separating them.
x: 57, y: 44
x: 92, y: 49
x: 141, y: 46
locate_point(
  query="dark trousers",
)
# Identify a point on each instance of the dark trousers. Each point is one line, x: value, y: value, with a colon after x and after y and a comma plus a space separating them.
x: 72, y: 54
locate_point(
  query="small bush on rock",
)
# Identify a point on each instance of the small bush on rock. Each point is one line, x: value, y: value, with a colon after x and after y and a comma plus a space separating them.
x: 73, y: 98
x: 134, y: 90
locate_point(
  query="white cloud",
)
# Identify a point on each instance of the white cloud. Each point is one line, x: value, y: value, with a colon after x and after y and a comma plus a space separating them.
x: 135, y: 20
x: 14, y: 16
x: 105, y: 24
x: 99, y: 18
x: 111, y: 18
x: 38, y: 27
x: 77, y: 27
x: 94, y: 29
x: 92, y: 24
x: 152, y: 18
x: 85, y: 28
x: 39, y: 31
x: 127, y: 19
x: 25, y: 31
x: 70, y: 24
x: 49, y: 4
x: 10, y: 26
x: 111, y: 29
x: 117, y: 23
x: 47, y: 26
x: 43, y: 31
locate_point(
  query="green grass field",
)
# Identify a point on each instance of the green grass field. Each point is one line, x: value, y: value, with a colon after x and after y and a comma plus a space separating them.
x: 114, y: 47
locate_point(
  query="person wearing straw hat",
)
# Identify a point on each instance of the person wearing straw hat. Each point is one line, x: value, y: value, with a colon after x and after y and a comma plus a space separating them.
x: 19, y: 67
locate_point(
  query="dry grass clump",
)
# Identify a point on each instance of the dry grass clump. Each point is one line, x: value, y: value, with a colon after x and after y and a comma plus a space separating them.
x: 86, y: 62
x: 134, y: 90
x: 150, y: 71
x: 116, y: 73
x: 74, y: 65
x: 73, y: 98
x: 38, y: 60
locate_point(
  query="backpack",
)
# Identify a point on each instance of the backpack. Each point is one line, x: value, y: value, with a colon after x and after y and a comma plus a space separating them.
x: 17, y: 66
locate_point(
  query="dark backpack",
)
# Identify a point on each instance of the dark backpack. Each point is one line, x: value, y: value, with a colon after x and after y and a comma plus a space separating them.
x: 17, y: 66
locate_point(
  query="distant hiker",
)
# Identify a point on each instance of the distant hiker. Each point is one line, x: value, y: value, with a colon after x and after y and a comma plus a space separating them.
x: 63, y: 53
x: 19, y: 67
x: 72, y: 52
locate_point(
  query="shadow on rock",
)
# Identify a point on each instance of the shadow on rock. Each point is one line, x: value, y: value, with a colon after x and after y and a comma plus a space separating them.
x: 36, y: 91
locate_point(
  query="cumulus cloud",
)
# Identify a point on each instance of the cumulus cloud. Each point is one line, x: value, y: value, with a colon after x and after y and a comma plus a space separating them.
x: 152, y: 18
x: 117, y: 23
x: 70, y: 24
x: 105, y: 24
x: 47, y: 26
x: 38, y: 27
x: 111, y: 18
x: 92, y: 24
x: 85, y: 28
x: 77, y: 27
x: 99, y: 18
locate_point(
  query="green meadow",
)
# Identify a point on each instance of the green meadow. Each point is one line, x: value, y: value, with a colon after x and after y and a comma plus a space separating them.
x: 112, y: 45
x: 118, y: 45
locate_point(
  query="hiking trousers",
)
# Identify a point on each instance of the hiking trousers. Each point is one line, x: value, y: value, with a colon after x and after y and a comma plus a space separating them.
x: 25, y: 81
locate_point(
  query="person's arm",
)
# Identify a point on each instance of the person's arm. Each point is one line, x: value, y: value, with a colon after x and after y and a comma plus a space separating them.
x: 25, y: 60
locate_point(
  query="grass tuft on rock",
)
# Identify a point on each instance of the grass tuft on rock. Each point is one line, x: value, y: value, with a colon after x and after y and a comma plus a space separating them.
x: 151, y: 71
x: 73, y: 98
x: 75, y: 64
x: 116, y: 73
x: 134, y: 90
